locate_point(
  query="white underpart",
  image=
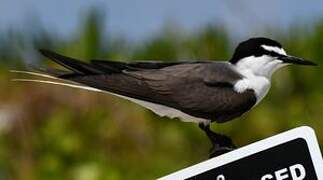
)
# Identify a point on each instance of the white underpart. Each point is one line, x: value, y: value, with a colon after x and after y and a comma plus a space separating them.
x: 257, y: 72
x: 163, y: 111
x: 160, y: 110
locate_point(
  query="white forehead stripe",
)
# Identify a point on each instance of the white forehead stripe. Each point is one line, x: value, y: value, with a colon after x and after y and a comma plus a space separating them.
x: 274, y: 49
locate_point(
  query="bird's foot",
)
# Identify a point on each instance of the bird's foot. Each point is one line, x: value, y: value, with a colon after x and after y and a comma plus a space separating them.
x: 217, y: 151
x: 220, y: 143
x: 222, y: 146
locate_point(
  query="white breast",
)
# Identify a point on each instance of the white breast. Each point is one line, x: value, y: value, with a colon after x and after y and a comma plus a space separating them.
x: 257, y: 72
x: 259, y: 84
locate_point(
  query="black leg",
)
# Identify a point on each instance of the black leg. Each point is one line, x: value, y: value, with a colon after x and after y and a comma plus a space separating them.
x: 220, y: 143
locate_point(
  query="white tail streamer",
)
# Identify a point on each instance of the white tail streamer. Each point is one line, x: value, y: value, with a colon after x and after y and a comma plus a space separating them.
x: 34, y: 74
x: 42, y: 75
x: 60, y: 83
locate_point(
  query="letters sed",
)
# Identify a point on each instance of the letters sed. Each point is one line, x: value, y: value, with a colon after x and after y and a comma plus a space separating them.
x: 295, y: 172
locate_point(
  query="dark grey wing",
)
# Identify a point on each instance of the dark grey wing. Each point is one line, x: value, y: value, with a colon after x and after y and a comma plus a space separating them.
x: 108, y: 75
x: 138, y: 65
x: 76, y: 66
x: 106, y: 66
x: 201, y: 90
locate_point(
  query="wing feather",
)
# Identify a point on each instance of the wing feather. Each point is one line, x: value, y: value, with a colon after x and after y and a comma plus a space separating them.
x: 201, y: 89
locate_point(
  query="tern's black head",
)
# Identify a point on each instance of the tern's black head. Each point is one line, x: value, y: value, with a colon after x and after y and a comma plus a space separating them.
x: 257, y: 47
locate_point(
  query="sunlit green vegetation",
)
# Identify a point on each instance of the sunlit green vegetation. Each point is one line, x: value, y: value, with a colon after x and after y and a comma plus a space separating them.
x: 50, y: 132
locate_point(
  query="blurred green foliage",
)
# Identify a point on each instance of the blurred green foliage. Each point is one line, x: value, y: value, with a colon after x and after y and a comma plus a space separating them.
x: 50, y: 132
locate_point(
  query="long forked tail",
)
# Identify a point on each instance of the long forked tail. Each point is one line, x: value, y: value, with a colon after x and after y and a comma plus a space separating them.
x: 59, y: 83
x: 53, y: 80
x: 60, y: 77
x: 35, y: 74
x: 108, y: 76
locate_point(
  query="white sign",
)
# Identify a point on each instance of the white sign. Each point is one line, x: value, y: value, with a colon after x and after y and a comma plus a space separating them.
x: 292, y: 155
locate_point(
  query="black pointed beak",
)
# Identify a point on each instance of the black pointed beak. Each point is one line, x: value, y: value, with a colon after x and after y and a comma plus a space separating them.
x: 296, y: 60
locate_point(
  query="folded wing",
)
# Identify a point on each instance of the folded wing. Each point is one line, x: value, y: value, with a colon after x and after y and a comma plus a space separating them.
x: 200, y: 89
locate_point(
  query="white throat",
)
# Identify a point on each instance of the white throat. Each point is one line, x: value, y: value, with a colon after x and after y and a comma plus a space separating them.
x: 257, y: 72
